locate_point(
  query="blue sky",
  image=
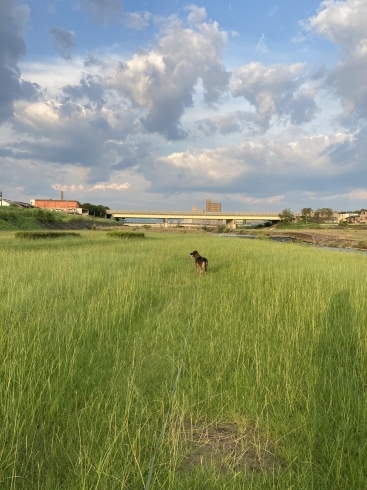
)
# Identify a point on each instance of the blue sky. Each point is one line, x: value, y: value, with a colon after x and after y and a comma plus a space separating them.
x: 158, y: 105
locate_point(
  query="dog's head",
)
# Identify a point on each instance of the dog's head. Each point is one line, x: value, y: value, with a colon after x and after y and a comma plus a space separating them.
x: 194, y: 254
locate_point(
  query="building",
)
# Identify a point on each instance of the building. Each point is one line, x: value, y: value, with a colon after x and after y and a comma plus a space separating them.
x: 213, y: 207
x: 60, y: 205
x: 343, y: 217
x: 5, y: 202
x: 360, y: 219
x: 18, y: 204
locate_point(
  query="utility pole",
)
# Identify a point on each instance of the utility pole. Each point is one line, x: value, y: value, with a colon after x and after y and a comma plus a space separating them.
x: 1, y: 197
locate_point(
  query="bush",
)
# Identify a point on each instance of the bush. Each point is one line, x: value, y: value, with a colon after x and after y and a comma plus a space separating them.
x: 33, y: 235
x: 125, y: 234
x: 222, y: 229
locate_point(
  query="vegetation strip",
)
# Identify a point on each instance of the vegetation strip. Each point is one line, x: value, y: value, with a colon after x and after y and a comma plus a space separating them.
x: 173, y: 391
x: 33, y: 235
x: 125, y: 234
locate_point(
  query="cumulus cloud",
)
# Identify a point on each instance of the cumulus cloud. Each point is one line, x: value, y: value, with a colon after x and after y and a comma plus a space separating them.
x: 196, y: 15
x: 31, y: 91
x: 162, y: 80
x: 90, y: 89
x: 63, y: 41
x: 232, y: 122
x: 13, y: 19
x: 345, y: 23
x: 83, y: 129
x: 276, y: 91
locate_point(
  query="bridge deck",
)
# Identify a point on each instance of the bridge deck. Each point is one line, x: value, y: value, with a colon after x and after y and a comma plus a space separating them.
x: 192, y: 215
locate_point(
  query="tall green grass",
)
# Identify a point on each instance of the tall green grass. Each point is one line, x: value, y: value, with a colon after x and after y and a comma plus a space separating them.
x: 92, y: 335
x: 14, y: 218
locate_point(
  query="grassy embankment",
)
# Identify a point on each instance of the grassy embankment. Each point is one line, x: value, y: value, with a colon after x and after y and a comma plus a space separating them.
x: 13, y: 218
x: 272, y: 393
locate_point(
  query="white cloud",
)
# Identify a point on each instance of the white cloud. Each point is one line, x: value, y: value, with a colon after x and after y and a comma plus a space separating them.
x: 115, y: 187
x: 161, y: 81
x: 137, y: 20
x: 258, y: 200
x: 226, y: 123
x: 96, y: 187
x: 345, y: 23
x: 276, y: 91
x: 196, y: 15
x: 265, y: 166
x: 298, y: 38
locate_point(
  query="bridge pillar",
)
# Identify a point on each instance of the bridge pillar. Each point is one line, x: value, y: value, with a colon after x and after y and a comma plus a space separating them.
x: 231, y: 223
x: 165, y: 221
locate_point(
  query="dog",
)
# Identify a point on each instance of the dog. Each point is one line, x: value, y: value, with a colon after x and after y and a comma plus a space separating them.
x: 201, y: 263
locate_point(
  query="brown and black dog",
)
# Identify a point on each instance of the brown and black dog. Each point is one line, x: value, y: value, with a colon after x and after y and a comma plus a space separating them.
x: 201, y: 263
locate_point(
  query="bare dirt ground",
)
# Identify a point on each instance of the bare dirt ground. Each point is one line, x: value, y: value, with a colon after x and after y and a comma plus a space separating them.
x: 339, y: 237
x: 227, y: 447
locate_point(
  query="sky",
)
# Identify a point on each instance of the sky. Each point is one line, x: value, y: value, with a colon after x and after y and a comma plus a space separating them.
x: 159, y: 105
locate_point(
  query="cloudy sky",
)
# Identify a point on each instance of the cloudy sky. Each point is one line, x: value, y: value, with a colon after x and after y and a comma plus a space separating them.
x: 159, y: 105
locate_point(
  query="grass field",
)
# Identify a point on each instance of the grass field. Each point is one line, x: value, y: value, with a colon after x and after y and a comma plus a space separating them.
x: 272, y: 394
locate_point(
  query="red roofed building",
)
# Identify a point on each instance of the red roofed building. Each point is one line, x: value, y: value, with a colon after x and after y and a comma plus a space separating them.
x: 66, y: 206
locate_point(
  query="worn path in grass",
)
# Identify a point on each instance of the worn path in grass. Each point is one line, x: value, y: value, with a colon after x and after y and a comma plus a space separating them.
x: 272, y: 393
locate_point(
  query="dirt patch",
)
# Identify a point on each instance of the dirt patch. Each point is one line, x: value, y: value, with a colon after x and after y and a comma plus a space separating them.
x: 228, y: 448
x: 338, y: 237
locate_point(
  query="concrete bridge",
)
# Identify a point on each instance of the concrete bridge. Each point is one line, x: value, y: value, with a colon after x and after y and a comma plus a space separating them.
x: 204, y: 217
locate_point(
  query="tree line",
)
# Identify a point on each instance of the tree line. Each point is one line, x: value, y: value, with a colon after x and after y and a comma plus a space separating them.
x: 308, y: 214
x: 96, y: 210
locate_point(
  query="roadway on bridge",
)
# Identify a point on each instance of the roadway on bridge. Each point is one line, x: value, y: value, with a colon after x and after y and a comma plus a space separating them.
x: 229, y: 217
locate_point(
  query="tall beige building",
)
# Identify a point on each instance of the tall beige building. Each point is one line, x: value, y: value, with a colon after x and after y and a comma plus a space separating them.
x: 213, y: 207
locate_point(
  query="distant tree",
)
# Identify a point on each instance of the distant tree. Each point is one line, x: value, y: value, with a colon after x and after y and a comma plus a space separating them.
x: 286, y: 216
x: 323, y: 214
x: 307, y: 213
x: 96, y: 210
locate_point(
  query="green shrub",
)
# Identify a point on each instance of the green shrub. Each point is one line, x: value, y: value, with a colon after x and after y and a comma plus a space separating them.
x: 222, y: 229
x: 33, y: 235
x: 125, y: 234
